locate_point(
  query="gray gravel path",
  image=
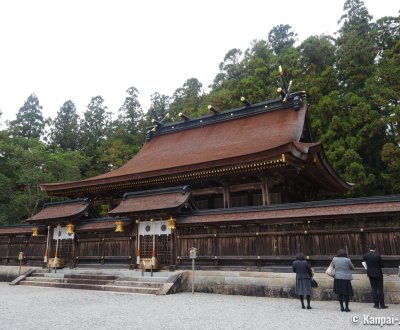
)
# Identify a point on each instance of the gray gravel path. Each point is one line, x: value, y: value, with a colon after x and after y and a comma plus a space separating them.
x: 23, y: 307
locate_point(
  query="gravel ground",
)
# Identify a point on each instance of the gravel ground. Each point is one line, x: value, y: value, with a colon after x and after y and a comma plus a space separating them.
x: 23, y: 307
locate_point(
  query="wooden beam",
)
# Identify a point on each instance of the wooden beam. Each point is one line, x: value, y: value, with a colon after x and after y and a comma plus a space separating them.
x: 208, y: 191
x: 245, y: 187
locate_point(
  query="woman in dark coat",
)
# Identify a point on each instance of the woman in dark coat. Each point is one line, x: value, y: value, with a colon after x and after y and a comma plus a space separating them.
x: 343, y: 276
x: 303, y: 279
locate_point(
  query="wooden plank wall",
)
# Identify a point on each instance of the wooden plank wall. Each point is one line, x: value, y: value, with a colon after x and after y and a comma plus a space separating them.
x: 267, y: 244
x: 32, y: 247
x: 257, y: 244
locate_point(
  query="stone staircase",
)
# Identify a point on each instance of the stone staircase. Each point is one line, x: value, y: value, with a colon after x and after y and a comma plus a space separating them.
x: 122, y: 282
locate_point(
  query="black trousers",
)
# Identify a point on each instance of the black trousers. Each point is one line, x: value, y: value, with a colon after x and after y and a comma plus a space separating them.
x: 377, y: 290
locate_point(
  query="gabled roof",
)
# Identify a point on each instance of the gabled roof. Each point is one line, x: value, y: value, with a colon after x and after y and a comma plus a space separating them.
x: 61, y: 211
x: 258, y: 136
x: 154, y: 201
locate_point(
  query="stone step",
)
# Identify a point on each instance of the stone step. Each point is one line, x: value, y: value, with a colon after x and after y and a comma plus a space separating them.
x: 109, y: 288
x: 91, y: 276
x: 139, y: 284
x: 68, y: 280
x: 157, y: 279
x: 130, y: 283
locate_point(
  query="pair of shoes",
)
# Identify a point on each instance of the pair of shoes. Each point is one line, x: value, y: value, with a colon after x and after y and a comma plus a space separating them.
x: 383, y: 307
x: 309, y: 307
x: 348, y: 310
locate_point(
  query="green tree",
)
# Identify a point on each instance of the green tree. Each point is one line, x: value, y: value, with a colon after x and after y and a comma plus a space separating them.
x: 29, y: 122
x: 24, y: 165
x: 95, y: 128
x: 159, y: 106
x: 281, y: 37
x: 356, y: 50
x: 65, y: 127
x: 131, y: 113
x: 187, y: 98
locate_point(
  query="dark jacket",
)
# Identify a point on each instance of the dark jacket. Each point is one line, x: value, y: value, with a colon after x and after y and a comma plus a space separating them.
x: 374, y: 264
x: 302, y: 269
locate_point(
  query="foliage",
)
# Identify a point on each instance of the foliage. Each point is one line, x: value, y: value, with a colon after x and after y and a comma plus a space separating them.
x: 65, y: 127
x: 29, y: 122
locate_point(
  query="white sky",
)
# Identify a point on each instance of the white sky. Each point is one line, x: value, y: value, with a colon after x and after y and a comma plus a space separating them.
x: 77, y: 49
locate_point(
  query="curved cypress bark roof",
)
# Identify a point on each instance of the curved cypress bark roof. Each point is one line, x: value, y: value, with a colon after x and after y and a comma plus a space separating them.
x: 61, y: 211
x: 262, y: 135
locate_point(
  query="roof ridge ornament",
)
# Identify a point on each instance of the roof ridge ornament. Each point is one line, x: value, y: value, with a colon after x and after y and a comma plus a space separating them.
x: 245, y: 101
x: 286, y: 89
x: 213, y: 109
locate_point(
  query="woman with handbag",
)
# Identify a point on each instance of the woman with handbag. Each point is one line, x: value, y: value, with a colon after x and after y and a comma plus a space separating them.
x: 303, y: 279
x: 343, y: 276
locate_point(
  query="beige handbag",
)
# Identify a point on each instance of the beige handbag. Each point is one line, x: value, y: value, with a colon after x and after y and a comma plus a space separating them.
x: 330, y: 271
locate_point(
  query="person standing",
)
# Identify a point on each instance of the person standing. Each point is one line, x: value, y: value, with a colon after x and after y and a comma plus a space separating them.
x: 374, y: 265
x: 343, y: 276
x: 303, y: 279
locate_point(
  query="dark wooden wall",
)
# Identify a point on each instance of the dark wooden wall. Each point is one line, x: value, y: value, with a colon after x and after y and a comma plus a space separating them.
x: 243, y: 245
x: 268, y: 244
x: 33, y: 248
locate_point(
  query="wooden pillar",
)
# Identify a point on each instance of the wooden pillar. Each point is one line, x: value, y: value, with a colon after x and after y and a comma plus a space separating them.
x: 265, y: 191
x: 227, y: 196
x: 258, y: 245
x: 102, y: 249
x: 363, y: 239
x: 172, y: 251
x: 8, y: 249
x: 135, y: 245
x: 307, y: 239
x: 50, y: 251
x: 215, y: 245
x: 177, y: 246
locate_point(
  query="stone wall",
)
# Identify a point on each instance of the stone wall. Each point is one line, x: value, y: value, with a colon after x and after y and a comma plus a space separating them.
x: 270, y: 284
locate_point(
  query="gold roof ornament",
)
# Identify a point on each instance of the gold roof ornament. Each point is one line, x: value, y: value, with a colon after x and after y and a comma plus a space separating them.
x: 35, y: 231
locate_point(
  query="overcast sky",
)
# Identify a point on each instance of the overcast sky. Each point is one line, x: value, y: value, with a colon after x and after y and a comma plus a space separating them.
x: 77, y: 49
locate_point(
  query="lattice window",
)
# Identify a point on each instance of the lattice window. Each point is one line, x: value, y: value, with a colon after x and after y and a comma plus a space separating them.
x: 164, y: 249
x: 146, y: 246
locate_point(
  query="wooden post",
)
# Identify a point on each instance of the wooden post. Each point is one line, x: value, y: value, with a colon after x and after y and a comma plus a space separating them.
x: 215, y: 246
x: 56, y: 253
x: 8, y: 250
x: 138, y: 245
x: 49, y: 252
x: 265, y: 191
x: 227, y: 197
x: 258, y: 245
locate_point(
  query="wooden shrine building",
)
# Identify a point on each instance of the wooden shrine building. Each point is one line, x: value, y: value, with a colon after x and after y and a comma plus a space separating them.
x: 248, y: 187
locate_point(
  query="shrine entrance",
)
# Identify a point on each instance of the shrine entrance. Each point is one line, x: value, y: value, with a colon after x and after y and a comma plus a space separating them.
x: 154, y: 244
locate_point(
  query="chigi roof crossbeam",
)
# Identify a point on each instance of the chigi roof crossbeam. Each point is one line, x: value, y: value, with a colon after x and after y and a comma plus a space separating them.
x: 294, y: 100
